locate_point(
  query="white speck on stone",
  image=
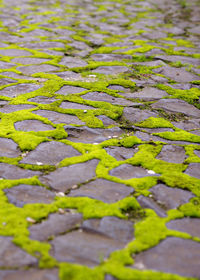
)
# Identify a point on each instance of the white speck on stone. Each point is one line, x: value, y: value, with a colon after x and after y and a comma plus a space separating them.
x: 61, y: 211
x: 115, y: 136
x: 85, y: 111
x: 92, y: 76
x: 95, y: 143
x: 74, y: 187
x: 151, y: 172
x: 150, y: 195
x: 30, y: 220
x: 139, y: 266
x: 39, y: 163
x: 109, y: 137
x: 60, y: 194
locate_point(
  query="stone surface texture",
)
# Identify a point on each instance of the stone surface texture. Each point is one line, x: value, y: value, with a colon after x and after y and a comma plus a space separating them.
x: 99, y: 140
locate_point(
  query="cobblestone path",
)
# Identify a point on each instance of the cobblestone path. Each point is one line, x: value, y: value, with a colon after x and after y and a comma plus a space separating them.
x: 99, y: 140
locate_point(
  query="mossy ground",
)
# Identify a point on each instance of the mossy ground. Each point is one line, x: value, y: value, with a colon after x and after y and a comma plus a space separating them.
x: 48, y: 26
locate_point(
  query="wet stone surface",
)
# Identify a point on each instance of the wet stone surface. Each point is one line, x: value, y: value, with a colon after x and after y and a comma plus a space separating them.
x: 99, y: 140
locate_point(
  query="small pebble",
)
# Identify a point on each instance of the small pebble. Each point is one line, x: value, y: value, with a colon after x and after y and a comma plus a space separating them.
x: 85, y: 111
x: 60, y: 194
x: 39, y: 163
x: 74, y: 187
x: 61, y: 211
x: 151, y: 172
x: 30, y: 220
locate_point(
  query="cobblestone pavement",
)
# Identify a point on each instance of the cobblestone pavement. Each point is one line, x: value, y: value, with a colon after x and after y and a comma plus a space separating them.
x: 99, y: 140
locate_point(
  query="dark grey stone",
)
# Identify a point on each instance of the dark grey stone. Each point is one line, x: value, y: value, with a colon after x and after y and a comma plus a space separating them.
x: 24, y: 194
x: 32, y: 125
x: 177, y: 106
x: 12, y: 256
x: 173, y: 255
x: 16, y: 90
x: 42, y: 100
x: 146, y: 202
x: 100, y: 189
x: 110, y: 57
x: 73, y: 105
x: 32, y: 69
x: 170, y: 198
x: 70, y: 90
x: 91, y: 135
x: 127, y: 171
x: 8, y: 148
x: 189, y: 225
x: 13, y: 172
x: 197, y: 152
x: 148, y: 94
x: 193, y: 170
x: 134, y: 115
x: 54, y: 225
x: 100, y: 96
x: 30, y: 274
x: 113, y: 227
x: 29, y: 60
x: 57, y: 118
x: 13, y: 108
x: 50, y: 153
x: 173, y: 154
x: 106, y: 120
x: 111, y: 70
x: 121, y: 153
x: 65, y: 178
x: 72, y: 62
x: 14, y: 52
x: 179, y: 75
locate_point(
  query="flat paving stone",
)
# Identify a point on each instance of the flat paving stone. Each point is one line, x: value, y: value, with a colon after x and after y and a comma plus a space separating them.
x: 6, y: 65
x: 14, y: 52
x: 170, y: 198
x: 112, y: 227
x: 135, y: 115
x: 32, y: 125
x: 100, y: 96
x: 106, y: 120
x: 177, y: 74
x: 121, y: 153
x: 111, y: 70
x: 100, y: 189
x: 55, y: 224
x: 57, y: 118
x: 127, y: 171
x: 65, y: 178
x: 13, y: 108
x: 30, y: 274
x: 173, y: 154
x: 8, y: 148
x: 42, y: 100
x: 91, y: 135
x: 72, y: 62
x: 173, y: 255
x: 25, y: 194
x: 146, y: 202
x: 147, y: 94
x: 193, y: 170
x: 177, y: 106
x: 174, y: 58
x: 70, y: 90
x: 50, y: 153
x: 16, y: 90
x: 84, y: 247
x: 12, y: 172
x: 197, y: 152
x: 32, y: 69
x: 188, y: 225
x: 73, y: 105
x: 12, y: 256
x: 110, y: 57
x: 29, y: 60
